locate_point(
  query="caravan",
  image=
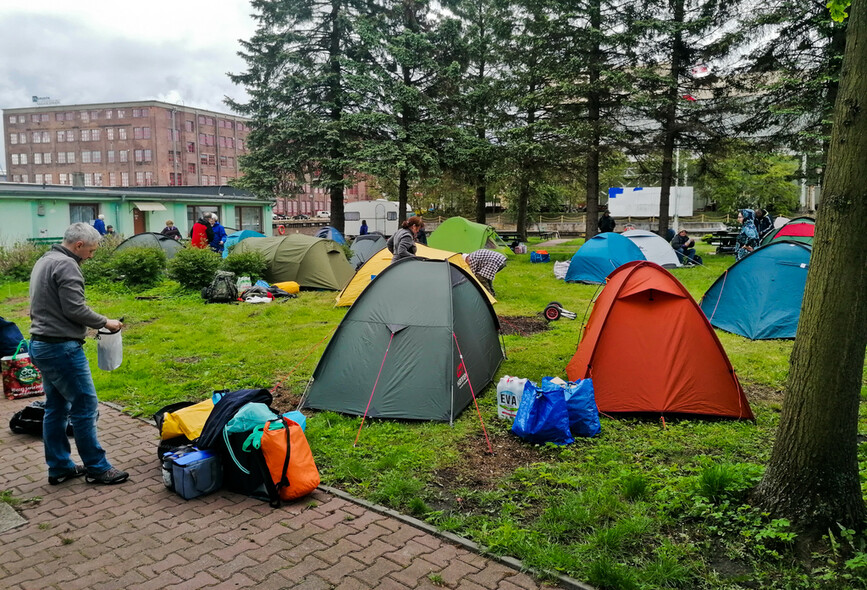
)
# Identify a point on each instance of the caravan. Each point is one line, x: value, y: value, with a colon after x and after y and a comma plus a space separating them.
x: 381, y: 216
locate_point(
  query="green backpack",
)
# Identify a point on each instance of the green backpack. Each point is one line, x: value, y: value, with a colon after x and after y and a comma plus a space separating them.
x: 222, y: 289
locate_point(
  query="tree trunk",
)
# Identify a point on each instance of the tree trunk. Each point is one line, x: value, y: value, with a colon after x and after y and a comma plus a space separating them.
x: 678, y: 51
x: 812, y: 478
x: 481, y: 199
x: 402, y: 194
x: 523, y: 201
x: 594, y: 101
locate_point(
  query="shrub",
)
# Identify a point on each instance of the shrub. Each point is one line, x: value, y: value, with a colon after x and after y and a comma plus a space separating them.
x: 16, y: 261
x: 194, y: 268
x: 139, y: 267
x: 246, y: 264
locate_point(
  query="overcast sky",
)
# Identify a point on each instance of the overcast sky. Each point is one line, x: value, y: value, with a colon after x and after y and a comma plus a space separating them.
x: 176, y: 51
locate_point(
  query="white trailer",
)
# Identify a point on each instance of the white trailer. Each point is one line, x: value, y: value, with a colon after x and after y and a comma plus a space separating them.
x: 380, y: 215
x: 644, y: 201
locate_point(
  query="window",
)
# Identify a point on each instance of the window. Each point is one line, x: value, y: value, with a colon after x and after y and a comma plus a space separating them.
x: 85, y: 157
x: 139, y: 156
x: 97, y: 179
x: 37, y: 159
x: 39, y: 179
x: 85, y: 212
x: 63, y: 178
x: 15, y: 160
x: 174, y: 156
x: 95, y: 134
x: 34, y: 118
x: 124, y: 179
x: 57, y: 117
x: 191, y: 147
x: 45, y: 117
x: 249, y: 218
x: 61, y: 136
x: 231, y: 162
x: 241, y: 144
x: 191, y: 168
x: 94, y: 115
x: 13, y: 138
x: 49, y: 179
x: 224, y: 161
x: 141, y: 112
x: 36, y: 136
x: 121, y: 113
x: 391, y: 215
x: 110, y: 157
x: 112, y: 176
x: 121, y: 132
x: 208, y: 159
x: 22, y: 119
x: 176, y: 179
x: 108, y: 115
x: 85, y: 135
x: 96, y: 158
x: 148, y: 156
x: 70, y: 135
x: 88, y: 179
x: 188, y: 126
x: 69, y: 115
x: 139, y: 178
x: 136, y: 113
x: 13, y: 119
x: 124, y: 157
x: 23, y: 158
x: 109, y: 133
x: 22, y: 137
x: 70, y: 157
x: 146, y: 132
x: 85, y: 117
x: 61, y: 157
x: 46, y: 157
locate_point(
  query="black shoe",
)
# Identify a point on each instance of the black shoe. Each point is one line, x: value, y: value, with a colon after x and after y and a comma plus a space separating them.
x: 112, y: 476
x: 76, y: 471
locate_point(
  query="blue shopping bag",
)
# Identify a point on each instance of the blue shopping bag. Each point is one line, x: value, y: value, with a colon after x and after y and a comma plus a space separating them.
x: 580, y: 404
x: 542, y: 416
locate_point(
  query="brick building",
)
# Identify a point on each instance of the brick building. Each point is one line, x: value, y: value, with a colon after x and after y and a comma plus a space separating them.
x: 144, y: 143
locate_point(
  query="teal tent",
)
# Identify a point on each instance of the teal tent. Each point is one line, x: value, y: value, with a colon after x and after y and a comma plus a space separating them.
x: 414, y: 345
x: 600, y: 256
x: 330, y: 233
x: 759, y: 297
x: 236, y: 237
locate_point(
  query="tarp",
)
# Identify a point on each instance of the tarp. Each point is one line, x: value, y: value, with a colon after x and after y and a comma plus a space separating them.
x: 799, y: 229
x: 364, y: 247
x: 237, y: 236
x: 654, y: 248
x: 382, y: 259
x: 398, y: 351
x: 152, y: 240
x: 457, y: 234
x: 330, y: 233
x: 311, y: 262
x: 601, y: 255
x: 760, y: 296
x: 649, y: 349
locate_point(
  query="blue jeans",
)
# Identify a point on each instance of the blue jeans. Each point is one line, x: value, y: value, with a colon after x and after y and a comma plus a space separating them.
x: 69, y: 396
x: 685, y: 254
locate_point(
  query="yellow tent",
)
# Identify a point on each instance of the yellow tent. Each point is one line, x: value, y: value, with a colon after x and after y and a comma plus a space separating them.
x: 382, y: 259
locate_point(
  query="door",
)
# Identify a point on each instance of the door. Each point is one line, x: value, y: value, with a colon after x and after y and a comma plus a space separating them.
x: 379, y: 220
x: 138, y: 222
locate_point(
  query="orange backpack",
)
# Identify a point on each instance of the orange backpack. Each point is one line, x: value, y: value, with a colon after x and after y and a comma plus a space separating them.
x: 289, y: 461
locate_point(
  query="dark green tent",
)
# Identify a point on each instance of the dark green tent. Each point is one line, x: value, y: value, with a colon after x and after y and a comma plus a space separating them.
x: 311, y: 262
x: 152, y: 240
x: 400, y: 341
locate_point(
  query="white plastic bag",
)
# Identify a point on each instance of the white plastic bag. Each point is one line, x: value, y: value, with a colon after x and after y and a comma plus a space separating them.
x: 509, y: 392
x: 109, y: 349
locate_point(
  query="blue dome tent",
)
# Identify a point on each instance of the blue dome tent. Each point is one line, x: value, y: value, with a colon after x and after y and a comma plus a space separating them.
x: 236, y: 237
x: 329, y: 233
x: 759, y: 297
x: 600, y: 256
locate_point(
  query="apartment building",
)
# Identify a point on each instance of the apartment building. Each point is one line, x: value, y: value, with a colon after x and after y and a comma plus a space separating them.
x: 144, y: 143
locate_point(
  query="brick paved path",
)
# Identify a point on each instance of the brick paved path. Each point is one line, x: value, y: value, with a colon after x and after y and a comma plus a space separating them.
x: 138, y: 535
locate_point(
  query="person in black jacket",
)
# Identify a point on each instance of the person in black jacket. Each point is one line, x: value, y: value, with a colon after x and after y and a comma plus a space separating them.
x: 606, y: 223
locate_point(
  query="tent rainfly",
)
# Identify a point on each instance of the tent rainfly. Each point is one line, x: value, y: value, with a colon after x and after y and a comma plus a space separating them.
x: 649, y: 349
x: 654, y: 248
x: 330, y: 233
x: 599, y: 256
x: 364, y: 247
x: 417, y: 344
x: 799, y: 229
x: 152, y: 240
x: 236, y: 237
x: 759, y: 297
x: 457, y: 234
x: 382, y: 259
x: 311, y: 262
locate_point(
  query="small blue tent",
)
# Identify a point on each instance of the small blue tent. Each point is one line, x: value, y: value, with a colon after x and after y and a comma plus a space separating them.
x: 236, y: 237
x: 600, y: 256
x: 759, y: 297
x: 329, y: 233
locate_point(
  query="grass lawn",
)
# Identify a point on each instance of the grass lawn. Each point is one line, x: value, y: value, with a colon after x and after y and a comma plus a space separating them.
x: 639, y: 506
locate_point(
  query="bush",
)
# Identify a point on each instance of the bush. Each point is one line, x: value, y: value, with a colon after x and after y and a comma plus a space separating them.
x: 16, y: 261
x: 194, y: 268
x: 246, y: 264
x: 139, y: 267
x: 100, y: 268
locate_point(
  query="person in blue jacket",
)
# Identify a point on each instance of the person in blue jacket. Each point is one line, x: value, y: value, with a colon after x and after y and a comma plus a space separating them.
x: 748, y: 239
x: 219, y: 241
x: 99, y: 224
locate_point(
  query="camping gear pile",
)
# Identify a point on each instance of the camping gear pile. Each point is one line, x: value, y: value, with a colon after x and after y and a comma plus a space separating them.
x: 225, y: 288
x: 556, y: 412
x: 237, y: 441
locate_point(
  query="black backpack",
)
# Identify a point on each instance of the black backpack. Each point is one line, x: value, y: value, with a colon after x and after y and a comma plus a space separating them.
x: 222, y: 289
x: 29, y: 420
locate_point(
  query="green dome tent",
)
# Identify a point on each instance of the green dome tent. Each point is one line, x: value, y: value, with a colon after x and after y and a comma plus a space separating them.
x: 420, y: 355
x: 457, y: 234
x: 311, y: 262
x: 799, y: 229
x: 152, y: 240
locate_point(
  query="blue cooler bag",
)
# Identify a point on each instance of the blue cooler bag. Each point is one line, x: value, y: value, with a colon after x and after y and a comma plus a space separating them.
x: 192, y: 474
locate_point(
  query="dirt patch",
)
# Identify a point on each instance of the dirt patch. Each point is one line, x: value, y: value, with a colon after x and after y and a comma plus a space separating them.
x: 522, y: 325
x: 187, y: 360
x: 285, y: 399
x: 762, y: 393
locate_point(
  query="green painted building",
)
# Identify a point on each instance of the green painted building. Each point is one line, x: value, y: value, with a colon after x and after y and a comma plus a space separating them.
x: 43, y: 212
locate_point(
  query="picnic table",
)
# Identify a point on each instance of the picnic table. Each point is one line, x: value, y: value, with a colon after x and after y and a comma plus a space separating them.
x: 725, y: 241
x: 512, y: 236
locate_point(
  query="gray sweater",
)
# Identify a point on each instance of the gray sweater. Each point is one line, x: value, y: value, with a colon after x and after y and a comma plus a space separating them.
x: 57, y: 306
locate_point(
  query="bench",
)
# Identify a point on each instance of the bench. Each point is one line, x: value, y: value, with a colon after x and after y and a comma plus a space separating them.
x: 725, y: 241
x: 48, y: 241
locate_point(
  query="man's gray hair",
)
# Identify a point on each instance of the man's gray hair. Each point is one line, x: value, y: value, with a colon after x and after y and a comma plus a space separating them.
x: 81, y: 232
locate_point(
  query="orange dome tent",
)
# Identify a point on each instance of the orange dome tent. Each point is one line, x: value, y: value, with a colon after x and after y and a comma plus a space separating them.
x: 650, y: 349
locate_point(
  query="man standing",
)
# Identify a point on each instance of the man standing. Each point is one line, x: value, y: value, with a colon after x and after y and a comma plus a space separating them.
x: 219, y: 239
x: 606, y: 223
x: 485, y: 264
x: 99, y: 224
x: 59, y: 321
x: 202, y: 234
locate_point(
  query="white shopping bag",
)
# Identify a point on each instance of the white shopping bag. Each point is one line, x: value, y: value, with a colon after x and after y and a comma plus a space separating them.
x: 109, y: 349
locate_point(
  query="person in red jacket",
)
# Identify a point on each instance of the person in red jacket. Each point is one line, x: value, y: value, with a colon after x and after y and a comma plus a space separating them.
x: 202, y: 234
